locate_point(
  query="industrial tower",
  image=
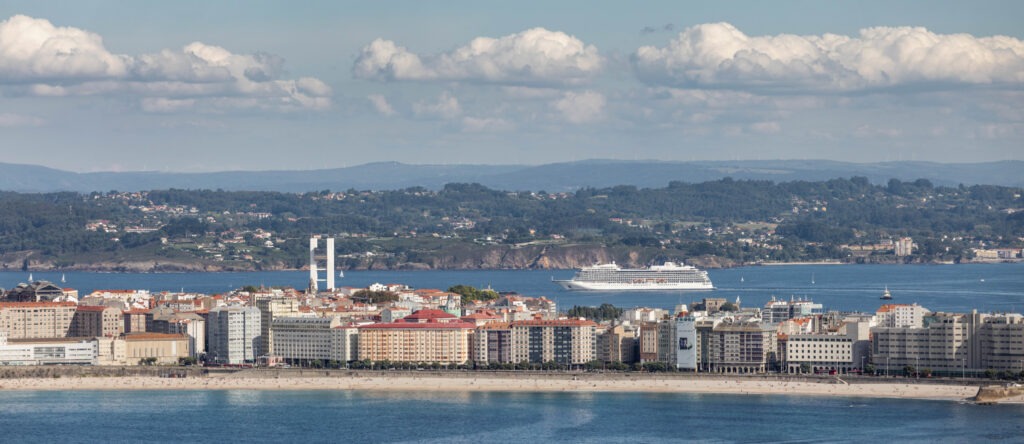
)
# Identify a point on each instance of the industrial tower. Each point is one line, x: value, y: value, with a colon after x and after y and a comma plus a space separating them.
x: 314, y: 261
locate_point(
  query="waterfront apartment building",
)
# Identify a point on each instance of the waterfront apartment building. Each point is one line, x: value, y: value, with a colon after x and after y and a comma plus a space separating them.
x: 740, y: 346
x: 273, y: 306
x: 565, y: 341
x: 776, y: 311
x: 492, y: 343
x: 424, y: 336
x: 1001, y: 343
x: 617, y: 343
x: 97, y: 321
x: 27, y: 320
x: 900, y: 315
x: 903, y: 246
x: 842, y: 352
x: 301, y: 340
x: 232, y: 334
x: 947, y: 344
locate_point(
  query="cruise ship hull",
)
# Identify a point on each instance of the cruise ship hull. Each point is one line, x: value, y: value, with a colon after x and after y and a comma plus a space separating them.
x: 651, y: 286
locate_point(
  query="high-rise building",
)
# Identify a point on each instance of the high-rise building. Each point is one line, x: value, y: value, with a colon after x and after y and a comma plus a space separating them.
x: 271, y: 307
x: 232, y: 334
x: 424, y: 336
x: 565, y: 341
x: 97, y: 320
x: 903, y: 246
x: 23, y: 320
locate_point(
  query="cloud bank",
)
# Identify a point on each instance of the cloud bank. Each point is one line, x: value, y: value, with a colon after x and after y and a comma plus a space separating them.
x: 533, y: 56
x: 718, y: 55
x: 38, y: 58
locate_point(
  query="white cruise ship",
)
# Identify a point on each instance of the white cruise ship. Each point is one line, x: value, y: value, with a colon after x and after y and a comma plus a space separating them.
x: 611, y: 277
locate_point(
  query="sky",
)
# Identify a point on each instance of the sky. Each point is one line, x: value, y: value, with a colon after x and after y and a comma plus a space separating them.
x: 198, y: 86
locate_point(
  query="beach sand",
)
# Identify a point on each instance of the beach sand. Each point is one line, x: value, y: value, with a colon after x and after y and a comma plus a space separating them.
x: 483, y: 382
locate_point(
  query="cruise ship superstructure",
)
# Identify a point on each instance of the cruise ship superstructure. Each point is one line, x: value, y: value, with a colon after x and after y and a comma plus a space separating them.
x: 611, y: 277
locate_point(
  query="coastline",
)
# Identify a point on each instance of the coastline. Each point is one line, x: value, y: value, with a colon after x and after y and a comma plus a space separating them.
x: 486, y: 382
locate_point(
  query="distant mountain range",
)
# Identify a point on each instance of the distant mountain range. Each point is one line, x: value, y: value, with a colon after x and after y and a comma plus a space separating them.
x: 555, y: 177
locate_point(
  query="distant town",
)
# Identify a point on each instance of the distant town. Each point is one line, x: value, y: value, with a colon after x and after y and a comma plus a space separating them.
x: 392, y: 326
x: 714, y: 224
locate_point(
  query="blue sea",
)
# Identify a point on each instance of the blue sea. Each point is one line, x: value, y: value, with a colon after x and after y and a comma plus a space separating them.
x: 958, y: 288
x: 339, y: 416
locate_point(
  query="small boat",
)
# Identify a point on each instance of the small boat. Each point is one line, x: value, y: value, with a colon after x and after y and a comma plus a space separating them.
x: 886, y: 295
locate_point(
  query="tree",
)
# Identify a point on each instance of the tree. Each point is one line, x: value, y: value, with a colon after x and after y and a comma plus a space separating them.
x: 469, y: 293
x: 187, y: 360
x: 374, y: 297
x: 728, y: 306
x: 805, y: 368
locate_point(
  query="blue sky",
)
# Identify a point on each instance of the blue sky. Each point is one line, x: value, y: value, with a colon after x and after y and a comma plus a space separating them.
x: 191, y: 86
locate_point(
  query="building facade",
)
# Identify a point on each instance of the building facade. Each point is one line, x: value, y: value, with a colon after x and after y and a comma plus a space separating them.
x: 564, y: 341
x: 97, y: 321
x: 232, y: 335
x: 424, y: 336
x: 26, y: 320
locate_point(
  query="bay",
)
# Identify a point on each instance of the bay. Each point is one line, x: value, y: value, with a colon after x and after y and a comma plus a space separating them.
x: 341, y: 416
x: 954, y: 288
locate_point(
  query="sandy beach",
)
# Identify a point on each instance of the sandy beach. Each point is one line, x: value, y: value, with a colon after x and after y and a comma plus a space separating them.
x: 489, y: 382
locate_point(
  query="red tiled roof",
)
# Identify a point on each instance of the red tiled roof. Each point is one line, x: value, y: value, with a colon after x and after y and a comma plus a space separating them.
x: 428, y: 314
x: 555, y: 323
x: 421, y: 326
x: 91, y: 308
x: 36, y: 304
x: 147, y: 336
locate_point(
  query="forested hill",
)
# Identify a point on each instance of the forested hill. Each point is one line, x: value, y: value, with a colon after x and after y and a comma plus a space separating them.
x: 555, y: 177
x: 714, y: 223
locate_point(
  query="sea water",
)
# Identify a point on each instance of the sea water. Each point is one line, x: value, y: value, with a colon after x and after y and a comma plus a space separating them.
x: 342, y: 416
x: 951, y: 288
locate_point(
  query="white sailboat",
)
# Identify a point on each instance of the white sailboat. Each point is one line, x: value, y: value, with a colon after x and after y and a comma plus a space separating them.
x: 812, y: 278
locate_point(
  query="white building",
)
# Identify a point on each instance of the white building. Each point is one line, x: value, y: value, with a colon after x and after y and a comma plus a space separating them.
x: 901, y: 315
x: 232, y: 333
x: 48, y: 351
x: 304, y: 339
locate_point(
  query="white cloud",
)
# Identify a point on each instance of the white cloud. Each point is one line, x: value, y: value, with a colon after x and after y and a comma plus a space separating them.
x: 533, y: 56
x: 380, y: 103
x: 12, y: 120
x: 486, y: 124
x: 38, y: 58
x: 33, y: 49
x: 720, y: 56
x: 447, y: 107
x: 581, y: 107
x: 766, y: 127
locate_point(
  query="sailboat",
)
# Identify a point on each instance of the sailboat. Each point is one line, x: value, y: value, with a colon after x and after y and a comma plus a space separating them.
x: 812, y: 278
x: 341, y: 273
x: 741, y: 278
x: 30, y: 278
x: 62, y: 280
x: 886, y: 295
